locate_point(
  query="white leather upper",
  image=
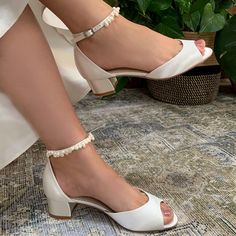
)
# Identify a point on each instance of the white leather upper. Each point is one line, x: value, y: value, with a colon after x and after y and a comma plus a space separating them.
x: 146, y: 218
x: 51, y: 19
x: 184, y: 60
x: 88, y: 68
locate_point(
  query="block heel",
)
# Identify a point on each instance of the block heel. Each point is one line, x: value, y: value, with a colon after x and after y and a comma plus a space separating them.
x: 60, y: 209
x: 102, y: 87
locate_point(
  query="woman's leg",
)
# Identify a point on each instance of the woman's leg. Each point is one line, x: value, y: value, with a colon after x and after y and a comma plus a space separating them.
x: 123, y: 44
x: 29, y: 76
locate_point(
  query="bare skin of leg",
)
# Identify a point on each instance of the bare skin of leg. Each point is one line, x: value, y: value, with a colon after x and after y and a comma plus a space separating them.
x: 36, y: 89
x: 123, y: 44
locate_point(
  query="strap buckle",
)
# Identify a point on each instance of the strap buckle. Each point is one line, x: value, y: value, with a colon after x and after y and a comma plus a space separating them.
x: 89, y: 33
x: 105, y: 23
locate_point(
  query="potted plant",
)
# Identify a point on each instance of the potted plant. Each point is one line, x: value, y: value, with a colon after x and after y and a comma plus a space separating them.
x: 190, y: 19
x: 225, y: 49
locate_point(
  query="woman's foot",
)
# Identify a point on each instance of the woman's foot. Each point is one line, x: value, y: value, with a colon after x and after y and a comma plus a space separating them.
x: 84, y: 173
x: 128, y: 45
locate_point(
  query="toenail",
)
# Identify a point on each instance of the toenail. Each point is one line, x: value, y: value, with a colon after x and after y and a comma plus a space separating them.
x: 167, y: 213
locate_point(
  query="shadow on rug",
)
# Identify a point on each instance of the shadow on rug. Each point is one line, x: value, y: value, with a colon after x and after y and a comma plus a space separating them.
x: 186, y: 154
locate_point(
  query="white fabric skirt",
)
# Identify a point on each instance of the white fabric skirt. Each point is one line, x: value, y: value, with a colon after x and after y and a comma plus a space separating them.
x: 16, y: 134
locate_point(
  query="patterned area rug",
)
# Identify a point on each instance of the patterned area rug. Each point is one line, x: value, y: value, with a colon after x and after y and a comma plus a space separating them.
x: 185, y: 154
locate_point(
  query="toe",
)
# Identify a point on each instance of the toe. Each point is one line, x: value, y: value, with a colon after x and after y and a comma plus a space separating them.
x: 167, y: 213
x: 201, y: 44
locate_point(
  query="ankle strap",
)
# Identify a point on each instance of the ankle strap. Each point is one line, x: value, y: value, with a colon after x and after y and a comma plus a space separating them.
x: 75, y: 147
x: 105, y: 23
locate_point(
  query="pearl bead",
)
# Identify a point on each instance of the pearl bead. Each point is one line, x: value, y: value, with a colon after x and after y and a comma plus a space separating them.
x: 66, y: 151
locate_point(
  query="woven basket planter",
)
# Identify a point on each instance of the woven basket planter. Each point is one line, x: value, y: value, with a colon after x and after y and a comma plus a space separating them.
x: 197, y: 87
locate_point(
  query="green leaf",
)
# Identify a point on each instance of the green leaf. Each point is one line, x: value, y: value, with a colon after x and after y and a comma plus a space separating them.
x: 213, y: 4
x: 225, y: 48
x: 184, y: 6
x: 211, y: 21
x: 171, y: 12
x: 143, y: 5
x: 160, y: 5
x: 169, y: 27
x: 198, y: 5
x: 122, y: 81
x: 192, y: 20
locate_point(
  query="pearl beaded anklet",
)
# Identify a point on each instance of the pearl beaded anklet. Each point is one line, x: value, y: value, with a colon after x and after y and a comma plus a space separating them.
x: 75, y: 147
x: 105, y: 23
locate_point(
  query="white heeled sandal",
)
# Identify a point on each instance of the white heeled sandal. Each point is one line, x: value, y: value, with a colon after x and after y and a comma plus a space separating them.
x: 103, y: 82
x: 145, y: 218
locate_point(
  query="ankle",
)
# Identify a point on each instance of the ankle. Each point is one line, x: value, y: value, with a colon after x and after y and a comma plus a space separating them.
x: 107, y: 40
x: 68, y: 175
x: 79, y: 168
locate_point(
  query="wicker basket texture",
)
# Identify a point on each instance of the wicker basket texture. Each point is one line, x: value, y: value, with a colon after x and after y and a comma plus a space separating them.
x: 186, y: 89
